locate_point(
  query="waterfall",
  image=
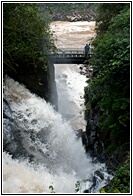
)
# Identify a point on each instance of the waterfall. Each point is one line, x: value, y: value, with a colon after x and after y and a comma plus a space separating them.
x: 41, y: 148
x: 70, y: 89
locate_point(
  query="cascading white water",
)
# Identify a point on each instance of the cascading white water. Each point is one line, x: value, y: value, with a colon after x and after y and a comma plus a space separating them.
x: 59, y: 157
x: 70, y: 89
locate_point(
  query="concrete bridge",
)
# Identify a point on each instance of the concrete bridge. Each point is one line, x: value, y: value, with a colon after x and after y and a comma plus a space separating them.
x: 68, y: 56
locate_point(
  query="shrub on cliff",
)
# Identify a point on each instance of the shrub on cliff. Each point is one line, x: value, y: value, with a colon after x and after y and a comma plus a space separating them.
x: 121, y: 181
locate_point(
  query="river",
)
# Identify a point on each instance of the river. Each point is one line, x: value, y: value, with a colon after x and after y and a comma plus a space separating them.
x: 68, y: 77
x: 73, y: 34
x: 49, y: 156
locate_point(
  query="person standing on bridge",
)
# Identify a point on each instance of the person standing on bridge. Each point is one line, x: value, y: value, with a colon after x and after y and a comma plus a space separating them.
x: 86, y: 49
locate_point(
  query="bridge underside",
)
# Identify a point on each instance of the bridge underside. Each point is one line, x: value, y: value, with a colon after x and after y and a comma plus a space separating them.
x: 67, y: 60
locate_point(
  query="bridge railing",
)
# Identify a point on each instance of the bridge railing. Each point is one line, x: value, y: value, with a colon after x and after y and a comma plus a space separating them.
x: 70, y: 51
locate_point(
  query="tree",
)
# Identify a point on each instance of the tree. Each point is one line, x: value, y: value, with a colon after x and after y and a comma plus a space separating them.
x: 26, y: 35
x: 110, y: 87
x: 105, y: 12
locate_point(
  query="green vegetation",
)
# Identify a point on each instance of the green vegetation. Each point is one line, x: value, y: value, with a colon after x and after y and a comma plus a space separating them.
x: 121, y: 181
x: 51, y: 188
x: 109, y: 89
x: 26, y: 35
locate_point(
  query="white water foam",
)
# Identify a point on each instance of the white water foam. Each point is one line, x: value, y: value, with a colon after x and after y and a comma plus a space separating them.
x: 60, y: 158
x: 70, y: 88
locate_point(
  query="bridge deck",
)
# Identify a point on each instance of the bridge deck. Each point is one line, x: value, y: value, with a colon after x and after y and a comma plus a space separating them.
x: 68, y: 55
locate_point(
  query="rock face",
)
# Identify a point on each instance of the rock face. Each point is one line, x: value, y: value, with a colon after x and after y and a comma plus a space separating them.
x: 91, y: 137
x: 8, y: 137
x: 94, y: 145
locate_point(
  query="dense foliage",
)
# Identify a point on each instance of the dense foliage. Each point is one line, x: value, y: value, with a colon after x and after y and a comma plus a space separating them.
x: 110, y: 87
x: 26, y: 35
x: 121, y: 181
x: 105, y: 12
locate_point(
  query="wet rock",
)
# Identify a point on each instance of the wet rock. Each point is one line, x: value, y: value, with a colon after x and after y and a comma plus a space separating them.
x: 86, y: 191
x: 79, y: 133
x: 7, y: 132
x: 11, y: 147
x: 94, y: 183
x: 7, y: 113
x: 84, y: 139
x: 98, y: 173
x: 81, y: 72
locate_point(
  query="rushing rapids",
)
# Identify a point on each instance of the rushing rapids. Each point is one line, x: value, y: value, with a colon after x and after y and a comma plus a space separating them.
x: 45, y: 148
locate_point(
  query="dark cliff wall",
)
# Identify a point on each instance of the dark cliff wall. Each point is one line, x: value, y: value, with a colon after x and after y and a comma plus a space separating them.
x: 98, y: 141
x: 38, y: 80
